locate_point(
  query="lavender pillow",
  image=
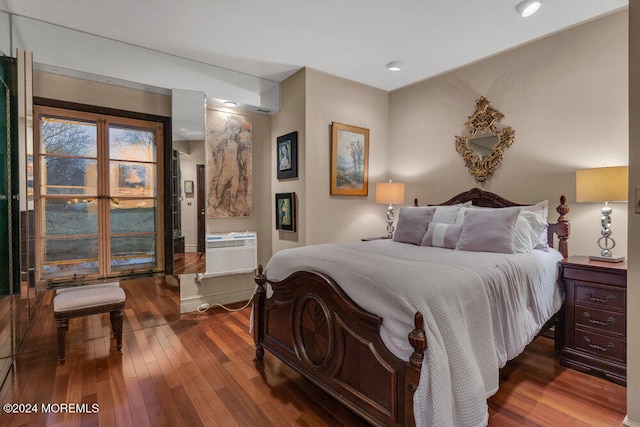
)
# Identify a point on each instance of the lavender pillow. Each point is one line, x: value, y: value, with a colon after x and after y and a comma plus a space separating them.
x: 442, y: 235
x: 446, y: 214
x: 488, y: 230
x: 412, y: 224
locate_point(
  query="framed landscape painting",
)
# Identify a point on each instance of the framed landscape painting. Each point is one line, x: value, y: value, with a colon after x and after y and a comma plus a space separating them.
x: 349, y: 160
x: 287, y: 147
x: 286, y: 211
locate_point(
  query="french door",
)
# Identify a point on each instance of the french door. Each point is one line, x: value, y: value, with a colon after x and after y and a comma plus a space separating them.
x: 98, y: 198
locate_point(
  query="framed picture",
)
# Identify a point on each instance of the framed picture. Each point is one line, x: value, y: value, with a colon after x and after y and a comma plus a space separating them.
x: 188, y: 187
x: 349, y: 160
x: 287, y: 146
x: 286, y: 211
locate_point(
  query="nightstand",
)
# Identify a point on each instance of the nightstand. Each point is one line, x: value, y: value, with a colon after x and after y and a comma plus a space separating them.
x: 595, y: 317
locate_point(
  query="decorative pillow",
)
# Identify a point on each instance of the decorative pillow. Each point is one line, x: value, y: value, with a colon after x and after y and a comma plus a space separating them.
x: 464, y: 209
x: 541, y: 209
x: 489, y: 230
x: 442, y: 235
x: 412, y: 224
x: 447, y: 214
x: 529, y: 226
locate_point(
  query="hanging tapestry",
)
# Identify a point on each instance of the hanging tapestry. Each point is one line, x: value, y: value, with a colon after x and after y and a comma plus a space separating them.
x: 229, y: 166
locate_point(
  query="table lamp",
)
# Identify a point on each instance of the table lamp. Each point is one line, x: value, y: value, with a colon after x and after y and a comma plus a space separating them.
x: 391, y: 193
x: 609, y: 184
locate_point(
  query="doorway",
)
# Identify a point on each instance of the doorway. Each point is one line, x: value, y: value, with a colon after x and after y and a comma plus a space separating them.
x: 200, y: 184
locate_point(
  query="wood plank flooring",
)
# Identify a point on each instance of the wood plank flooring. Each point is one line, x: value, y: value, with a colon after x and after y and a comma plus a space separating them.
x: 197, y: 369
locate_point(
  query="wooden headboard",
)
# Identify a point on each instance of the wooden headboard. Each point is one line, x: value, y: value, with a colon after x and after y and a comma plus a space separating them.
x: 482, y: 198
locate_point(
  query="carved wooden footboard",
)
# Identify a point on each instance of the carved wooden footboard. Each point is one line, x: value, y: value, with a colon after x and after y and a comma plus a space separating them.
x: 314, y: 327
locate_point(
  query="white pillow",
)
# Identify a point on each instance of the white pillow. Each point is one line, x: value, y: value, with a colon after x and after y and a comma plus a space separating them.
x: 542, y: 209
x: 529, y: 226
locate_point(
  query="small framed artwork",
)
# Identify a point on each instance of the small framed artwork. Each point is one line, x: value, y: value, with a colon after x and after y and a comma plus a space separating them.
x: 286, y: 211
x: 188, y: 187
x: 287, y: 146
x: 349, y: 160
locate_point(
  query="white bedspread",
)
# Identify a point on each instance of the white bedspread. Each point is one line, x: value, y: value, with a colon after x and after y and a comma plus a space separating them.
x: 480, y: 309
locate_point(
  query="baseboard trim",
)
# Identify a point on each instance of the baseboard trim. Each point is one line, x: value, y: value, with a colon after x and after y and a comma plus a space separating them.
x: 188, y: 305
x: 630, y: 423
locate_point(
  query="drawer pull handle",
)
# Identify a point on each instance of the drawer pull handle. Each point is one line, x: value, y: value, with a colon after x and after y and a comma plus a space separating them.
x: 607, y: 299
x: 609, y: 321
x: 599, y: 347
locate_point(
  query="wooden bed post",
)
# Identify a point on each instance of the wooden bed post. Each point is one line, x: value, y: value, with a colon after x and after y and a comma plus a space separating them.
x: 418, y: 340
x: 258, y: 312
x: 563, y: 228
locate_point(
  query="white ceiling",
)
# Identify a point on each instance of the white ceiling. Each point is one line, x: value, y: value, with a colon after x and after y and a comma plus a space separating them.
x: 353, y: 39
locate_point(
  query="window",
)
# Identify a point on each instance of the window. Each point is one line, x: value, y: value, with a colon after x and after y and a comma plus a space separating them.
x: 97, y: 187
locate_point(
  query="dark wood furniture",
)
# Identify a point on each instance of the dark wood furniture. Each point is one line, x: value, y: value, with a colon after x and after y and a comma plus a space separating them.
x: 595, y: 322
x: 178, y: 245
x: 314, y: 327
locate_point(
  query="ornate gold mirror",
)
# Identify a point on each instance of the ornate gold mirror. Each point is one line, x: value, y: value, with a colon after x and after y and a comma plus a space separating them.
x: 483, y: 150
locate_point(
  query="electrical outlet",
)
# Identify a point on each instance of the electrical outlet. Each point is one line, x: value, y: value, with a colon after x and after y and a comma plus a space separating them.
x: 636, y: 200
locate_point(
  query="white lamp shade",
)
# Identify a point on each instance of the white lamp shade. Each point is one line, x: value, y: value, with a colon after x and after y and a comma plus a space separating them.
x: 602, y: 184
x: 391, y: 193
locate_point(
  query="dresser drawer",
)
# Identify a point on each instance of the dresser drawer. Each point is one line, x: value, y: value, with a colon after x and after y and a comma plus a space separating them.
x: 601, y: 345
x: 602, y: 320
x: 605, y: 297
x: 611, y: 277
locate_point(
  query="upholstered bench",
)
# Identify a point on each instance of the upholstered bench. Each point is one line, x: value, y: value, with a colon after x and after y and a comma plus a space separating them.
x: 84, y: 301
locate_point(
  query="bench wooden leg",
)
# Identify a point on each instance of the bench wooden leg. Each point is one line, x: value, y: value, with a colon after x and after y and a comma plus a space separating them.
x: 63, y: 327
x: 117, y: 316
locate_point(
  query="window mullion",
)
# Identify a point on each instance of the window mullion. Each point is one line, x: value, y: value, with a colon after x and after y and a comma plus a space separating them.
x: 103, y: 178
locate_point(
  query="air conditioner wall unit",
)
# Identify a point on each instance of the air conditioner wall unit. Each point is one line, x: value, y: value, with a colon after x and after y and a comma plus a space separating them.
x: 231, y: 253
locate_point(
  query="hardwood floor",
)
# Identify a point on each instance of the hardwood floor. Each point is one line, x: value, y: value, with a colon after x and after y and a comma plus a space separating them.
x: 197, y: 369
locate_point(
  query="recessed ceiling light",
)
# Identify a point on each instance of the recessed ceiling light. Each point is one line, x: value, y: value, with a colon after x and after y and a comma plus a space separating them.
x: 395, y: 65
x: 230, y: 104
x: 527, y: 7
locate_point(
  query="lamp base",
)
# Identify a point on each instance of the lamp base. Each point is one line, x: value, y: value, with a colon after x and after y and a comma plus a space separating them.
x: 607, y: 258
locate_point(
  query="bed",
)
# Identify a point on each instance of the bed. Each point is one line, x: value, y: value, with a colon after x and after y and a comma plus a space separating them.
x: 359, y: 321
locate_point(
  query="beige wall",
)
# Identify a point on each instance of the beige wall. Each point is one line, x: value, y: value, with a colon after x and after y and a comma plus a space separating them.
x: 633, y: 279
x: 333, y: 99
x: 311, y: 101
x: 566, y: 98
x: 62, y: 88
x: 290, y: 118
